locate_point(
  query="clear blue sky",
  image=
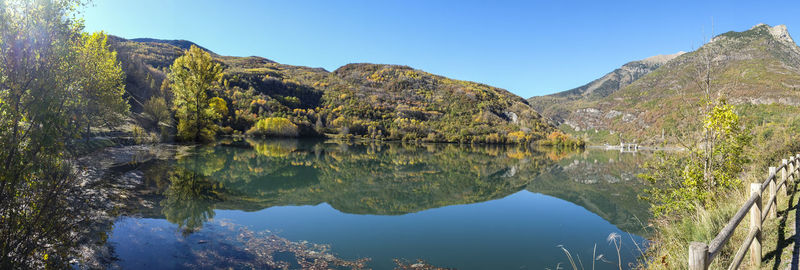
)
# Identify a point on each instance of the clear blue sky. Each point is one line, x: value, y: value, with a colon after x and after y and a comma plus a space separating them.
x: 528, y: 47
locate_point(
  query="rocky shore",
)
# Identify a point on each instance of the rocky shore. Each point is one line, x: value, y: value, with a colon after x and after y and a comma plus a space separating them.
x: 106, y: 184
x: 111, y: 184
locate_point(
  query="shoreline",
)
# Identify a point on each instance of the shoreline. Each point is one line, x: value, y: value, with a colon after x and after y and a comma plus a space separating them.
x: 608, y: 147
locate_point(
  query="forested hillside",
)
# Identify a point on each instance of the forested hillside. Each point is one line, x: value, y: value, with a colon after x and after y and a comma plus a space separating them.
x: 386, y: 102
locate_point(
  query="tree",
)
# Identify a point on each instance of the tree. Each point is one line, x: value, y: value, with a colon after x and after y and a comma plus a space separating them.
x: 191, y: 79
x: 715, y: 139
x: 681, y: 182
x: 101, y: 83
x: 42, y: 85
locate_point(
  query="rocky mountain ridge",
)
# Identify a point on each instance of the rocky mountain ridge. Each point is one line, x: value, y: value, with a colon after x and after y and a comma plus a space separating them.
x: 549, y: 105
x: 757, y: 70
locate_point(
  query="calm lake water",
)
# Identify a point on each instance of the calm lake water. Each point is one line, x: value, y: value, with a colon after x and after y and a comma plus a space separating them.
x: 457, y: 206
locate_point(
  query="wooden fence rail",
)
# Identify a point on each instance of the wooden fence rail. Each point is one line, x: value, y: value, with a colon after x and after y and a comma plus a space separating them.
x: 701, y: 254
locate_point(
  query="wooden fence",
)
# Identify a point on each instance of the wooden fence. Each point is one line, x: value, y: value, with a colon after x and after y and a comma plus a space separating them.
x: 701, y: 254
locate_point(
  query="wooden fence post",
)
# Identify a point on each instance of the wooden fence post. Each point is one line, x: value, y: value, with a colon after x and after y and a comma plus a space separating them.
x: 698, y: 256
x: 791, y: 169
x: 755, y: 224
x: 785, y: 186
x: 796, y: 164
x: 773, y: 211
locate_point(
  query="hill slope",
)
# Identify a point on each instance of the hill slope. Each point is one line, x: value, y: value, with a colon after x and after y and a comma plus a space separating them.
x: 757, y: 70
x: 363, y: 100
x: 552, y: 106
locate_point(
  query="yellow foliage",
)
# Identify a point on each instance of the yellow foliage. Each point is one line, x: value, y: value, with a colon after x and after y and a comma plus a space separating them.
x: 271, y: 149
x: 518, y: 136
x: 275, y: 127
x: 219, y: 106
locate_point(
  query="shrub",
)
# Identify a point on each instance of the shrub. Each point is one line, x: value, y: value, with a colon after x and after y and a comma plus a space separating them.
x: 274, y: 127
x: 518, y: 137
x: 142, y: 136
x: 226, y: 130
x: 557, y: 138
x: 680, y: 182
x: 156, y: 112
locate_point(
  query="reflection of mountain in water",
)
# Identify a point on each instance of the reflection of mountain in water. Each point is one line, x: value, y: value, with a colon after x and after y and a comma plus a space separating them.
x: 603, y: 182
x: 383, y: 179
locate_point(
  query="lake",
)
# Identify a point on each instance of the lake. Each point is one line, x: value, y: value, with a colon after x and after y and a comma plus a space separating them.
x: 306, y: 203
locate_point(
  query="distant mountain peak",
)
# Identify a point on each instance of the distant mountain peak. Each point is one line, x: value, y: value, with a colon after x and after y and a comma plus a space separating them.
x: 661, y: 58
x: 778, y: 32
x: 620, y: 77
x: 755, y: 67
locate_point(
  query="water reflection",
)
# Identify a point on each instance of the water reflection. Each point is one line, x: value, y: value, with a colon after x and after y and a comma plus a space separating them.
x: 387, y: 179
x: 189, y: 200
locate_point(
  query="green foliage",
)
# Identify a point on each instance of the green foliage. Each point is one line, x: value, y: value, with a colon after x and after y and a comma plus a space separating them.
x: 274, y: 127
x: 101, y: 83
x: 54, y: 81
x: 668, y: 245
x: 191, y: 78
x: 682, y: 182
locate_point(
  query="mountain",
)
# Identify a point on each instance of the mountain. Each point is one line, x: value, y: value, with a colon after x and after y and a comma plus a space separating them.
x: 550, y: 105
x: 757, y: 70
x: 359, y: 100
x: 183, y: 44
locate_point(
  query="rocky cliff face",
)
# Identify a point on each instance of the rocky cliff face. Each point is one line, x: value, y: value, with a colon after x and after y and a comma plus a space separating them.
x: 752, y: 69
x: 619, y: 78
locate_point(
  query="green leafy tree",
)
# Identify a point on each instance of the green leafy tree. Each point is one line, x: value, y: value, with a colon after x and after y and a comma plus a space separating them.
x: 716, y: 144
x: 49, y: 73
x: 101, y: 83
x: 191, y: 78
x: 682, y: 182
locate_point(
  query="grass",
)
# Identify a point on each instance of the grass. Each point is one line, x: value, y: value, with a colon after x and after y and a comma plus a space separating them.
x: 779, y: 232
x: 669, y: 247
x: 614, y: 239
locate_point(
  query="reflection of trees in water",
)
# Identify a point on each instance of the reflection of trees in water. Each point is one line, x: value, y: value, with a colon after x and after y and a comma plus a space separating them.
x: 385, y: 179
x: 190, y: 198
x: 603, y: 182
x: 382, y: 178
x: 375, y: 178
